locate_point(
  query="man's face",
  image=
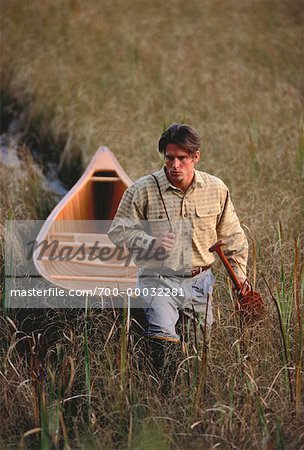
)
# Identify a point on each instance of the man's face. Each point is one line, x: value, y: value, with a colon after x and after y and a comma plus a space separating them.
x: 179, y: 165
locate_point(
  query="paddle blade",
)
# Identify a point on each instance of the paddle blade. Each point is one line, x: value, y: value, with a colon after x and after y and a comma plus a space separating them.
x: 250, y: 305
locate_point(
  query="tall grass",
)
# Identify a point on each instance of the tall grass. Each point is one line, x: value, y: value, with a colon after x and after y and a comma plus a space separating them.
x: 94, y: 76
x: 235, y: 395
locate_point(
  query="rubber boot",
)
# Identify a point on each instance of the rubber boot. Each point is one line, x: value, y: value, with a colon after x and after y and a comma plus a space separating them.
x: 164, y: 358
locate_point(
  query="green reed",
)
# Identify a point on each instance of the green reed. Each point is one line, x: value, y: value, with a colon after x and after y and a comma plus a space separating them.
x: 287, y: 305
x: 253, y: 149
x: 124, y: 342
x: 300, y: 152
x: 298, y: 291
x: 87, y: 367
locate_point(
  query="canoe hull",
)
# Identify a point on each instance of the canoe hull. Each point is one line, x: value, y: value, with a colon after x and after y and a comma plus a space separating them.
x: 74, y: 251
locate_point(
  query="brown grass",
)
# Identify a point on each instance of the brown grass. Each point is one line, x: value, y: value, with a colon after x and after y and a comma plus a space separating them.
x: 116, y: 73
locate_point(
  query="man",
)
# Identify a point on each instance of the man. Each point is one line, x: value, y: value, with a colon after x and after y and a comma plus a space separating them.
x: 182, y: 212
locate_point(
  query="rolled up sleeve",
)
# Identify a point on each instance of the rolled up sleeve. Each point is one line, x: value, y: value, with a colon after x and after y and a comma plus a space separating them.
x: 128, y: 226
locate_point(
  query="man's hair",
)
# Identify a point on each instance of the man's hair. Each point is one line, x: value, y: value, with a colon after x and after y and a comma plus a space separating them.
x: 182, y: 135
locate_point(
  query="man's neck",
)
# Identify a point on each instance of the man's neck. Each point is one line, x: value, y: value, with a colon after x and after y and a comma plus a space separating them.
x: 183, y: 185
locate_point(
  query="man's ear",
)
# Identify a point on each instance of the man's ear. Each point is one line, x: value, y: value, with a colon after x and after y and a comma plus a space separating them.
x: 197, y: 156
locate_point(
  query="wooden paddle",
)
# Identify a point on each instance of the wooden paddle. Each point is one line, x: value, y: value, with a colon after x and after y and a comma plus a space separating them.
x: 249, y: 303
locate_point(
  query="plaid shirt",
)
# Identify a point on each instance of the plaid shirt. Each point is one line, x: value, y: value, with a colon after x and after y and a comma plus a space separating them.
x: 198, y: 218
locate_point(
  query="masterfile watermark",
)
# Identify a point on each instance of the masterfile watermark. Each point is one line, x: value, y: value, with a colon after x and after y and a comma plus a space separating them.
x: 54, y: 251
x: 65, y: 263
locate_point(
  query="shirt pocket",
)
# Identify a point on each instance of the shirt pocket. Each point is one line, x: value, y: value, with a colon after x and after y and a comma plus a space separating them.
x: 207, y: 217
x: 157, y: 223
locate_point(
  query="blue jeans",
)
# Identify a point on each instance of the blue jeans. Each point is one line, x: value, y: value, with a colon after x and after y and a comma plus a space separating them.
x: 163, y: 297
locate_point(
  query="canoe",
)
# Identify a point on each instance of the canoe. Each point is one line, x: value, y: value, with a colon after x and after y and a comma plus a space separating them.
x: 72, y: 249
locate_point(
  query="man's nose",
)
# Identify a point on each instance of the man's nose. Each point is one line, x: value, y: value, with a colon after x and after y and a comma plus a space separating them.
x: 176, y: 163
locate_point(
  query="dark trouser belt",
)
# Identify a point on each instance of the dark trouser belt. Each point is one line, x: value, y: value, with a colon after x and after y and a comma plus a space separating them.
x: 172, y: 273
x: 198, y: 270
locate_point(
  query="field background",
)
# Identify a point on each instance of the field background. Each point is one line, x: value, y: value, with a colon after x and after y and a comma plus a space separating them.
x: 79, y: 74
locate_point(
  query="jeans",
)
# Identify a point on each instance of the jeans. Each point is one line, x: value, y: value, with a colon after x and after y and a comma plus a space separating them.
x: 163, y: 297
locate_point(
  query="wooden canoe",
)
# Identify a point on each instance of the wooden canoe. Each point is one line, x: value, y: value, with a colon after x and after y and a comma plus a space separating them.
x: 81, y: 220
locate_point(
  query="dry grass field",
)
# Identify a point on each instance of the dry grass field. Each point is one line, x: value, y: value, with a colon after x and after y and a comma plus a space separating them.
x: 80, y: 74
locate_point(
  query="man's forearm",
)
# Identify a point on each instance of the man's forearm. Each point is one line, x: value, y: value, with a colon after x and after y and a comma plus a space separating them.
x: 133, y: 239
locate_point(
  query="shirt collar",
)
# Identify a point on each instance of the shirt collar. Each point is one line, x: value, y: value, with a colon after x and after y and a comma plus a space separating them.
x: 198, y: 178
x: 165, y: 184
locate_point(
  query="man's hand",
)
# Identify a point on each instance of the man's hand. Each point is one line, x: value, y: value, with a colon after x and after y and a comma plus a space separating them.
x: 250, y: 304
x: 245, y: 287
x: 166, y: 241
